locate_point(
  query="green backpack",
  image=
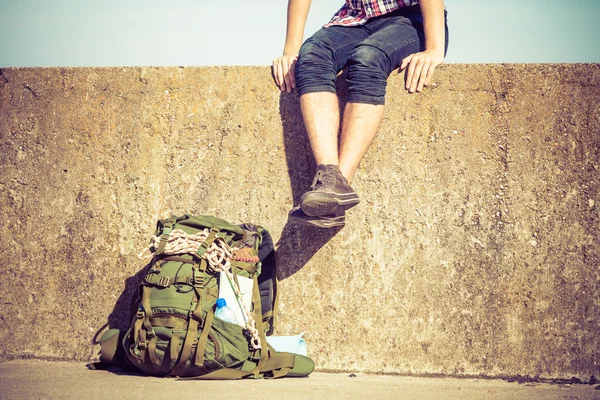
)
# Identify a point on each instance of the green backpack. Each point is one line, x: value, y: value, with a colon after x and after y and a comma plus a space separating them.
x: 174, y: 331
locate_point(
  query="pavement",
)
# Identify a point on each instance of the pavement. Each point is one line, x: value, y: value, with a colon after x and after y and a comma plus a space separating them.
x: 39, y: 379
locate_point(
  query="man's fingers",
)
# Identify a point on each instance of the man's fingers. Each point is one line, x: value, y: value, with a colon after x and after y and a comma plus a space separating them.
x: 287, y: 79
x: 414, y: 81
x: 409, y: 74
x: 429, y: 76
x: 277, y: 73
x: 425, y: 73
x: 274, y: 73
x: 423, y: 77
x: 289, y: 73
x: 419, y: 69
x: 292, y: 73
x: 405, y: 62
x: 289, y: 76
x: 281, y: 71
x: 283, y: 78
x: 284, y: 73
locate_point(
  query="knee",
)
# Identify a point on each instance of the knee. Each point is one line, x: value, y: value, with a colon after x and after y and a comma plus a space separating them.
x: 315, y: 68
x: 314, y: 52
x: 368, y: 69
x: 370, y: 60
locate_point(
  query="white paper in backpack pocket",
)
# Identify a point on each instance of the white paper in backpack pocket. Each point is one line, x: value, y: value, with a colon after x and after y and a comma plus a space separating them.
x: 227, y: 292
x: 288, y: 344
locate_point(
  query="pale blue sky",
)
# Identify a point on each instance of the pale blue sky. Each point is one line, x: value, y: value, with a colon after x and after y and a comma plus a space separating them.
x: 208, y: 32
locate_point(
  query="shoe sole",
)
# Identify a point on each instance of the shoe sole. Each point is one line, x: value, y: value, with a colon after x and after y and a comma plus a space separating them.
x: 316, y: 204
x: 326, y: 222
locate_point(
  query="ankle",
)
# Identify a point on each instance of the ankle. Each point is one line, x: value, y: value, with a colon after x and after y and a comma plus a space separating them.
x: 327, y: 161
x: 348, y: 174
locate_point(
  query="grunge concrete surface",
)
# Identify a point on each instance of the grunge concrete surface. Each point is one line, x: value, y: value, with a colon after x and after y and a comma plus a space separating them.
x: 36, y: 379
x: 474, y: 251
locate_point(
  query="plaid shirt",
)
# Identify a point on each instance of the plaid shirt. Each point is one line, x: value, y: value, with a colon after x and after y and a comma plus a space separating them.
x: 357, y: 12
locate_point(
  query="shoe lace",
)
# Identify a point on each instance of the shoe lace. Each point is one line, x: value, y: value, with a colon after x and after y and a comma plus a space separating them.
x: 322, y: 180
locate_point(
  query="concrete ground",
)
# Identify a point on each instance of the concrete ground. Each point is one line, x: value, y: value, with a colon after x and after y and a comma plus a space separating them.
x: 37, y: 379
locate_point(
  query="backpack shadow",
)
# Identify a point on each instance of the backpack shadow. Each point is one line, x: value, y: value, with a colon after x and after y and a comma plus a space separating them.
x: 120, y: 316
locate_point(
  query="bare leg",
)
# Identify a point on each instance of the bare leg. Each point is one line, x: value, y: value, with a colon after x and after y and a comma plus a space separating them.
x: 330, y: 193
x: 321, y: 114
x: 360, y: 125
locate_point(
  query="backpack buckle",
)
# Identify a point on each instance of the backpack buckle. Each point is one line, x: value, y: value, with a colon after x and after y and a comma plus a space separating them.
x: 191, y: 310
x: 197, y: 280
x: 254, y: 354
x: 164, y: 281
x: 140, y: 314
x: 142, y: 345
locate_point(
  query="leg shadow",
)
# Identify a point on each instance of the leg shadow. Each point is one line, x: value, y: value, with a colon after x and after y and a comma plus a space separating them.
x: 299, y: 243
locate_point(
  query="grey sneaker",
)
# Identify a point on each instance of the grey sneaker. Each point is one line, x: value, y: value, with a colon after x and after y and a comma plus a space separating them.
x: 326, y: 221
x: 329, y: 193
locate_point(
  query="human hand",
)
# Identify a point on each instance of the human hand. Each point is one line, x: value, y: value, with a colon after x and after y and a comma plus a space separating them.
x: 284, y: 72
x: 420, y: 69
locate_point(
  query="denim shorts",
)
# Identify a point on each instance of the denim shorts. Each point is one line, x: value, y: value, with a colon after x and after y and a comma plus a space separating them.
x: 370, y: 52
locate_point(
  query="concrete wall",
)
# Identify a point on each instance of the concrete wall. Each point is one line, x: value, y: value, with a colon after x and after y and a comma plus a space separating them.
x: 474, y: 249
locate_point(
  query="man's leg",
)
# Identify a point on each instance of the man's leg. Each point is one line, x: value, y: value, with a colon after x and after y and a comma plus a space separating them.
x: 320, y: 111
x: 360, y: 125
x: 321, y: 58
x: 330, y: 192
x: 321, y: 114
x: 391, y: 38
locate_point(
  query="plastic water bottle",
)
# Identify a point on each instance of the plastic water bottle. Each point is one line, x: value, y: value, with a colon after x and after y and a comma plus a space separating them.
x: 225, y: 313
